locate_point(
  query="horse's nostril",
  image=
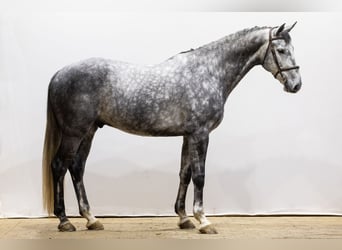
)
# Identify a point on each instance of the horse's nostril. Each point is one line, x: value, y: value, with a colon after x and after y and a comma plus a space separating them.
x: 297, y: 87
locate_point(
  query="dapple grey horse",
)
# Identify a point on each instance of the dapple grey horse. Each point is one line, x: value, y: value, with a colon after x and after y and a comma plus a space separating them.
x: 182, y: 96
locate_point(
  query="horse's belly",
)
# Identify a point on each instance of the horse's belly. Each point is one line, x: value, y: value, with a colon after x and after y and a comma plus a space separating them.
x: 147, y: 121
x: 147, y: 129
x: 173, y: 121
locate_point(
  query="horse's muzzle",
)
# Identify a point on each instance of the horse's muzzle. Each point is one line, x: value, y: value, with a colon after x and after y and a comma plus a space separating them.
x: 293, y: 88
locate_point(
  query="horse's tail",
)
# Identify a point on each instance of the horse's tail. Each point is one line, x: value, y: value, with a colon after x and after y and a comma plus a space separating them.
x: 51, y: 145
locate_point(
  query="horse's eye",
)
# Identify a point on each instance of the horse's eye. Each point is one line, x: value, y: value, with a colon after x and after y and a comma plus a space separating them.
x: 281, y: 50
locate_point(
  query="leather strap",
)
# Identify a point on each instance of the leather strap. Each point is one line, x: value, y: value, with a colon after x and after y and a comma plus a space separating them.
x: 275, y: 58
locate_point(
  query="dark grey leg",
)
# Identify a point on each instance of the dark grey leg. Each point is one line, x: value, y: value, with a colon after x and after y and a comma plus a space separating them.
x: 198, y: 150
x: 62, y: 161
x: 185, y: 177
x: 77, y: 172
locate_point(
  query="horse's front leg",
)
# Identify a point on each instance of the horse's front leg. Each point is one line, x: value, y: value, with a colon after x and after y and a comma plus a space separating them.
x: 198, y: 150
x: 184, y: 177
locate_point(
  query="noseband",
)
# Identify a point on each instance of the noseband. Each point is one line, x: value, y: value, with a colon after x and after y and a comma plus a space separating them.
x: 275, y: 58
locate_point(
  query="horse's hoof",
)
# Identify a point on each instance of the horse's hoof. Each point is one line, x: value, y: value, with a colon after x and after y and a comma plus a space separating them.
x: 208, y: 229
x: 97, y: 225
x: 66, y: 227
x: 186, y: 224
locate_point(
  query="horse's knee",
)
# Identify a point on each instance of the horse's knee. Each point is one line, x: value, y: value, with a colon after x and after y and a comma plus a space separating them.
x: 185, y: 176
x: 198, y: 180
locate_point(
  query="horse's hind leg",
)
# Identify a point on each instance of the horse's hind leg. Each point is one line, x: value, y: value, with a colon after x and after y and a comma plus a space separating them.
x: 60, y: 164
x: 185, y: 177
x: 77, y: 171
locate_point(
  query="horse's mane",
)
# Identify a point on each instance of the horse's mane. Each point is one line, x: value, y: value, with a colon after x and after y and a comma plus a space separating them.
x: 243, y: 32
x: 233, y: 36
x: 246, y: 31
x: 228, y: 38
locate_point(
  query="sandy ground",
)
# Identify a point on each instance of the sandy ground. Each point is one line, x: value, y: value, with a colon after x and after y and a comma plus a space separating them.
x: 274, y: 227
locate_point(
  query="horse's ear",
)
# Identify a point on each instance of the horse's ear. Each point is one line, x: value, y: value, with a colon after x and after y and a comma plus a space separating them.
x: 280, y: 29
x: 290, y: 28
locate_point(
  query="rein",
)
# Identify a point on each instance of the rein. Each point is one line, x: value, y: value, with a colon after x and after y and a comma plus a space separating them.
x: 275, y: 58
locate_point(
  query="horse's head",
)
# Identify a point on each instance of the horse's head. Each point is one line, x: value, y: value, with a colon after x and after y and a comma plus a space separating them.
x: 279, y: 58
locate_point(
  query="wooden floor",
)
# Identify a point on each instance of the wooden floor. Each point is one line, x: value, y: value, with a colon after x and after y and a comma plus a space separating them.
x: 259, y: 227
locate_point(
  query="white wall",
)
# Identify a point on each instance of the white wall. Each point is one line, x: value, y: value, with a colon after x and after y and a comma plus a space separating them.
x: 273, y: 153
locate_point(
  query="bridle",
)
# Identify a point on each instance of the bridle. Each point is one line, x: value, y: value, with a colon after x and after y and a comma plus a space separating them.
x: 275, y: 58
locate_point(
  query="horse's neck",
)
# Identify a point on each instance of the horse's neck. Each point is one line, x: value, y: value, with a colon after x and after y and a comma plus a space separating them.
x: 236, y: 55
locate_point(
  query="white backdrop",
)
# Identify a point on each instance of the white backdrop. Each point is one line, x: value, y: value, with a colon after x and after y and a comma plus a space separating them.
x: 274, y: 152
